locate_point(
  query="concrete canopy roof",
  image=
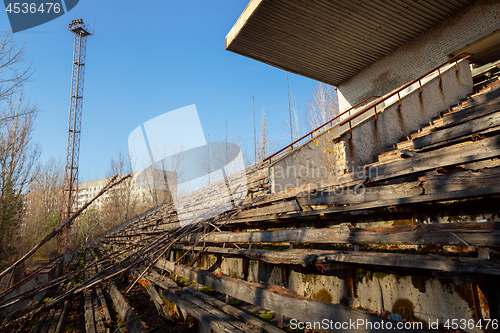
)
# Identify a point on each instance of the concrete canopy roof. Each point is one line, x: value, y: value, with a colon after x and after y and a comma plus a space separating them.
x: 332, y: 40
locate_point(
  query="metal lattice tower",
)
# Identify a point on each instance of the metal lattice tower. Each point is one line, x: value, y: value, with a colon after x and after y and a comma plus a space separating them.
x: 70, y: 188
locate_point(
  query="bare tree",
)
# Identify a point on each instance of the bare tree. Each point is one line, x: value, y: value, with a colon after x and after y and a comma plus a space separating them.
x: 291, y: 123
x: 239, y: 140
x: 119, y: 204
x: 41, y: 206
x: 322, y: 107
x: 18, y: 167
x: 88, y: 226
x: 263, y: 144
x: 161, y: 184
x: 230, y: 154
x: 18, y: 153
x: 14, y: 71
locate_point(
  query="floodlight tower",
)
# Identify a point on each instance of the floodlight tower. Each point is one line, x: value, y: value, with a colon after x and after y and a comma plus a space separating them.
x: 70, y: 188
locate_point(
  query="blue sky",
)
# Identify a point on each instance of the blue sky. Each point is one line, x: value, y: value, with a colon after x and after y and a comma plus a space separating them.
x: 147, y: 58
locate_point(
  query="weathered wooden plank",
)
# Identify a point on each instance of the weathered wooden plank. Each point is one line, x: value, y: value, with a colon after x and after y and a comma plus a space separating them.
x: 486, y: 149
x: 89, y: 312
x: 279, y: 300
x: 272, y: 257
x: 139, y: 234
x: 122, y: 241
x: 449, y: 156
x: 421, y: 162
x: 108, y: 322
x: 156, y: 299
x: 460, y: 139
x: 462, y: 180
x: 62, y: 312
x: 39, y: 323
x: 99, y: 323
x: 214, y: 321
x: 467, y: 128
x: 433, y: 197
x: 170, y: 226
x: 227, y: 319
x: 52, y: 317
x: 480, y: 150
x: 209, y: 316
x: 33, y: 305
x: 322, y: 198
x: 61, y: 317
x: 130, y: 223
x: 287, y: 194
x: 487, y: 234
x: 469, y: 265
x: 284, y: 207
x: 429, y: 184
x: 132, y: 322
x: 88, y: 307
x: 257, y: 174
x: 313, y: 256
x: 251, y: 320
x: 478, y: 107
x: 249, y: 220
x: 455, y: 190
x: 238, y: 189
x: 348, y: 196
x: 48, y: 321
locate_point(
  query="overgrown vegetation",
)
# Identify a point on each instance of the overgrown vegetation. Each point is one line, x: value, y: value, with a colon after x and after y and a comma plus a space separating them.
x: 18, y: 152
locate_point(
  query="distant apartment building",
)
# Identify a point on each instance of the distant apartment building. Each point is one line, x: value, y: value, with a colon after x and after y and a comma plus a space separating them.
x: 143, y: 184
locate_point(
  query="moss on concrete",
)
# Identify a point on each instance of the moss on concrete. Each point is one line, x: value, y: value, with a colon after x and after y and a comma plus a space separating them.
x: 309, y: 278
x: 404, y: 307
x: 379, y: 275
x: 266, y: 316
x: 323, y: 295
x: 402, y: 222
x: 236, y: 303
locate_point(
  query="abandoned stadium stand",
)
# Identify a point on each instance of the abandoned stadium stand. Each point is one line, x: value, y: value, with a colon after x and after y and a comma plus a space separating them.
x: 405, y: 231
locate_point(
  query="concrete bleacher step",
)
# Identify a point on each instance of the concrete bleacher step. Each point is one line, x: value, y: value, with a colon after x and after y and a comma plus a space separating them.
x: 480, y: 96
x: 394, y: 152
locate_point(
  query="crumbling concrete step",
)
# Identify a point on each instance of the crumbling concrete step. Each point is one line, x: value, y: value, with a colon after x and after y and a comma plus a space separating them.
x: 463, y: 108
